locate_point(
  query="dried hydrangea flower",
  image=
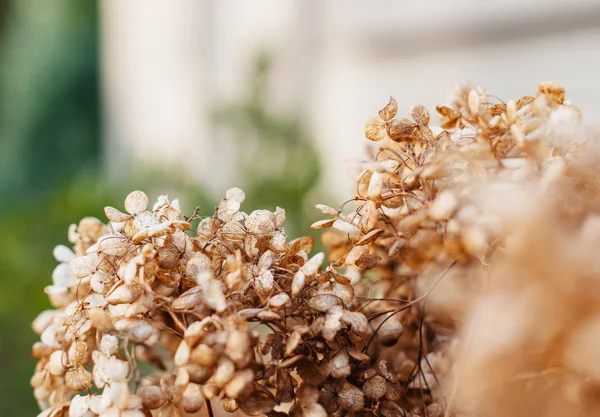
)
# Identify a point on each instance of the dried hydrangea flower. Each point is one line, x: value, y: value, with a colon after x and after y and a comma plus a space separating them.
x: 144, y: 288
x: 424, y: 219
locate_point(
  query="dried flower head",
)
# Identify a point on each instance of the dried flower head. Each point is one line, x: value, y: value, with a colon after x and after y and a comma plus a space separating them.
x: 431, y: 227
x: 231, y: 311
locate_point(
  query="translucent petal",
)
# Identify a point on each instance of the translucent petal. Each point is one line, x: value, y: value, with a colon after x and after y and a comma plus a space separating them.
x: 230, y: 204
x: 84, y: 265
x: 279, y: 300
x: 63, y: 254
x: 63, y: 277
x: 389, y: 111
x: 80, y: 406
x: 279, y: 217
x: 115, y: 215
x: 136, y: 202
x: 314, y: 264
x: 261, y: 223
x: 109, y: 344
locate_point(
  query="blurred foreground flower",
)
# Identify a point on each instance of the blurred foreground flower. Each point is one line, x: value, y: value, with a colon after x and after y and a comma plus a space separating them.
x: 461, y: 278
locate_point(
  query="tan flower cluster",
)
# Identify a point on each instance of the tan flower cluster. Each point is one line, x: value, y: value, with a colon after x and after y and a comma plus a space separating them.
x: 159, y: 318
x: 461, y: 279
x: 428, y: 217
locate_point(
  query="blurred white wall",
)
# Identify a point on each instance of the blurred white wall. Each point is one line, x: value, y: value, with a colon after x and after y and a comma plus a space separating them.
x: 169, y: 63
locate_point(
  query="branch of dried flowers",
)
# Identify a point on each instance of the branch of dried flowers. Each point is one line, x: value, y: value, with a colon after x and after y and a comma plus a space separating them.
x: 146, y: 281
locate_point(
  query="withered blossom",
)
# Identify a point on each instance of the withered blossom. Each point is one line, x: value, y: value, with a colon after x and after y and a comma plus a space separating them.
x: 232, y: 312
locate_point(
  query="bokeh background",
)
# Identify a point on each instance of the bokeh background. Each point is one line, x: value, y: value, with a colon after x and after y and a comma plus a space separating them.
x: 192, y: 97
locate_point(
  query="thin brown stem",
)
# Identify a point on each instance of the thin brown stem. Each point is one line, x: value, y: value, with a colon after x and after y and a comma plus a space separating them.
x: 209, y: 411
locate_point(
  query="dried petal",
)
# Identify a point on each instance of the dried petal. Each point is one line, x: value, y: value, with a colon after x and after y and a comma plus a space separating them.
x: 182, y: 355
x: 375, y: 387
x: 285, y: 386
x: 314, y: 264
x: 260, y: 223
x: 552, y: 90
x: 230, y: 405
x: 389, y: 111
x: 279, y: 300
x: 239, y: 382
x: 136, y: 202
x: 375, y: 129
x: 239, y: 348
x: 153, y: 397
x: 400, y: 130
x: 303, y: 244
x: 369, y: 237
x: 292, y: 343
x: 78, y: 379
x: 257, y: 403
x: 322, y: 224
x: 473, y: 102
x: 298, y: 283
x: 115, y: 215
x: 340, y: 365
x: 323, y: 302
x: 188, y: 300
x: 327, y: 210
x: 204, y: 355
x: 230, y: 204
x: 350, y: 397
x: 57, y: 362
x: 420, y: 115
x: 193, y: 399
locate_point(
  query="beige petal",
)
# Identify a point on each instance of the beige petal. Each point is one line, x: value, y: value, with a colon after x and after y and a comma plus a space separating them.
x: 84, y: 265
x: 224, y: 372
x: 214, y: 297
x: 351, y: 398
x: 375, y: 129
x: 78, y: 379
x: 182, y: 355
x: 292, y: 343
x: 298, y: 283
x: 188, y: 300
x: 322, y: 224
x: 389, y: 111
x: 115, y: 215
x: 193, y: 398
x: 369, y: 237
x: 420, y: 114
x: 230, y: 204
x: 136, y: 202
x: 279, y: 300
x: 340, y: 365
x: 63, y: 254
x: 314, y: 264
x: 240, y: 381
x: 58, y: 362
x: 279, y: 216
x: 327, y: 210
x: 323, y: 302
x: 153, y: 397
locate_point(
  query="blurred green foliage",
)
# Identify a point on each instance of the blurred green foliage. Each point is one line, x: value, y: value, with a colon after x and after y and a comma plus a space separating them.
x: 48, y: 90
x: 49, y: 133
x: 49, y: 163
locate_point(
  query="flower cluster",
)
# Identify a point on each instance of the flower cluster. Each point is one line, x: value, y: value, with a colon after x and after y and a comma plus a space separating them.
x: 460, y: 279
x: 232, y: 312
x: 426, y: 223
